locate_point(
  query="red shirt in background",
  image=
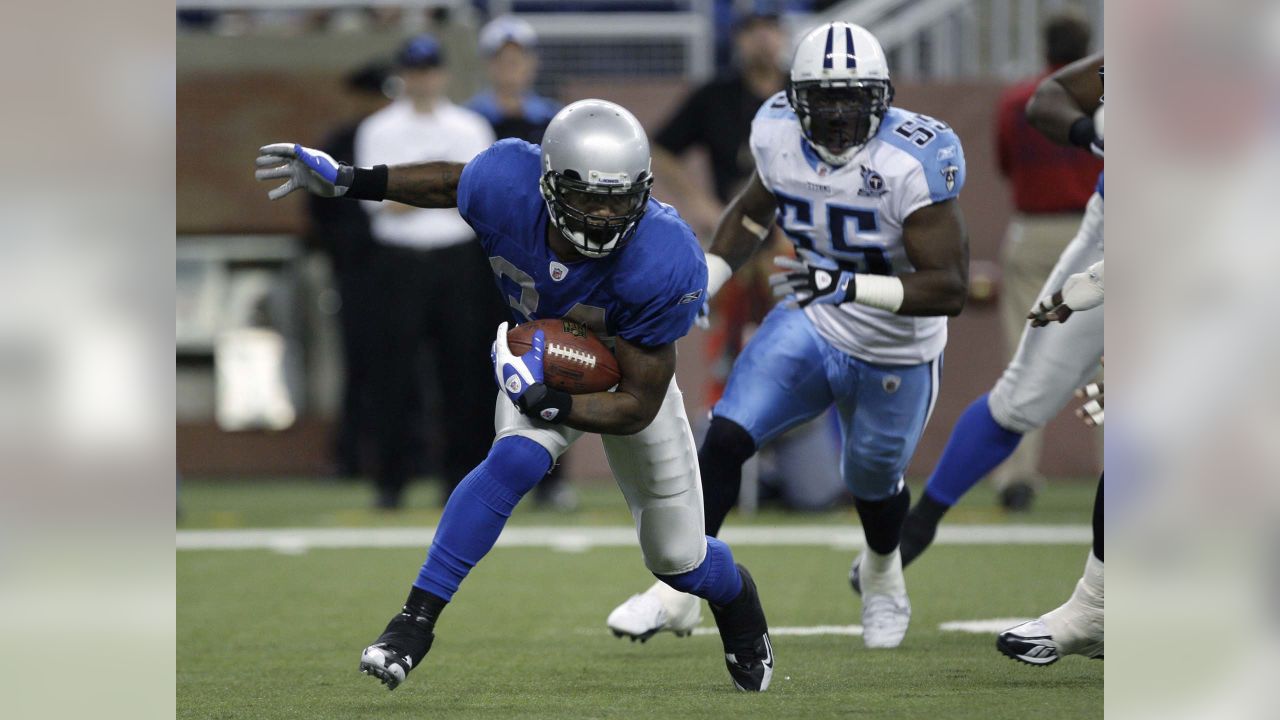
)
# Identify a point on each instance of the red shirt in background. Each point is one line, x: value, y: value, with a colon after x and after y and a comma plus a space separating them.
x: 1046, y: 178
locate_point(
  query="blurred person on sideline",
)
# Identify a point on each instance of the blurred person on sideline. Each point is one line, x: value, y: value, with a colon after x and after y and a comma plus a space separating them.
x: 510, y: 104
x: 716, y: 117
x: 1050, y: 185
x: 341, y: 231
x: 515, y: 111
x: 432, y: 281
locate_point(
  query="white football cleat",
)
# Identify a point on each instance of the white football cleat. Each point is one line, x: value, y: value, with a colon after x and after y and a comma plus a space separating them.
x: 657, y: 609
x: 1029, y: 642
x: 886, y: 611
x: 1074, y: 628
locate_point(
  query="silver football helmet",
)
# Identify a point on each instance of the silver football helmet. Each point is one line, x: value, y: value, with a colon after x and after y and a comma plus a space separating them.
x: 596, y: 175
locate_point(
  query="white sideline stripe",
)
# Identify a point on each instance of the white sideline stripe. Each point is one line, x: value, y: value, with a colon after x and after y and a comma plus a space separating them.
x: 978, y: 627
x: 983, y: 627
x: 802, y: 631
x: 578, y: 539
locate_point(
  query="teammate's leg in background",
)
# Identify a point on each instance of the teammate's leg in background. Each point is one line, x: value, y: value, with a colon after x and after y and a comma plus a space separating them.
x: 1032, y: 246
x: 1073, y: 628
x: 1051, y: 362
x: 884, y: 411
x: 977, y: 445
x: 472, y: 520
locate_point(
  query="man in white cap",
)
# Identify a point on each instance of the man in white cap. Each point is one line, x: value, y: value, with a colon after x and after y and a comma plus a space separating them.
x: 510, y: 104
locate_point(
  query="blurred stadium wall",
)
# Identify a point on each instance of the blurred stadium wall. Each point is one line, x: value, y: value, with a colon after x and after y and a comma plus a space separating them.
x: 238, y: 91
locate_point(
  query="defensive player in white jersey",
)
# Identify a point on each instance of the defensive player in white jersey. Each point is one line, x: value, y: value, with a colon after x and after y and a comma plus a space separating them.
x: 1050, y: 363
x: 867, y: 193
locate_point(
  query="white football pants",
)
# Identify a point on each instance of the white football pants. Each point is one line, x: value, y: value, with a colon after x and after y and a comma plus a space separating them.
x: 1052, y: 361
x: 656, y: 469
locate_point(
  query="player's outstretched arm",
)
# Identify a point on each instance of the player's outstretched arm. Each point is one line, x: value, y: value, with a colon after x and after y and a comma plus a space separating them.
x: 646, y: 373
x: 1063, y: 105
x: 426, y: 185
x: 1082, y: 291
x: 742, y: 227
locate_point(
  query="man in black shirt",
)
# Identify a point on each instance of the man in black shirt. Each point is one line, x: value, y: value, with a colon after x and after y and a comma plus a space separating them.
x: 717, y: 116
x: 341, y: 231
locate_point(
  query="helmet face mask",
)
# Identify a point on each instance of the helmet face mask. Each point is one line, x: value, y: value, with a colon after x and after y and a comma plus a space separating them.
x: 840, y: 116
x: 596, y: 176
x: 595, y: 219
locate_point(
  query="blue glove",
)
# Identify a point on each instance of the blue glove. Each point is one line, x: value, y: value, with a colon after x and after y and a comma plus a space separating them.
x: 814, y: 279
x: 313, y: 170
x: 521, y: 378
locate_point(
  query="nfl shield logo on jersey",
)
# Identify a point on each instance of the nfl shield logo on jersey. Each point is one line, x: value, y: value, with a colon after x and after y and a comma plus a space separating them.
x: 872, y: 183
x: 550, y: 414
x: 514, y: 384
x: 558, y: 271
x: 949, y: 174
x: 891, y: 383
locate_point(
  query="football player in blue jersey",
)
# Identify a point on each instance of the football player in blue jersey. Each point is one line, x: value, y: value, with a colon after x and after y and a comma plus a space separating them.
x: 571, y: 232
x: 1049, y: 364
x: 867, y: 193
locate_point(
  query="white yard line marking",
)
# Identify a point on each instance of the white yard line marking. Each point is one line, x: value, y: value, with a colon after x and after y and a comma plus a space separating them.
x: 981, y: 627
x: 579, y: 539
x: 978, y: 627
x: 801, y: 631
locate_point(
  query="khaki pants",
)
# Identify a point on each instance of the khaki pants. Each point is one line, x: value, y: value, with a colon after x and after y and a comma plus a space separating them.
x: 1032, y: 246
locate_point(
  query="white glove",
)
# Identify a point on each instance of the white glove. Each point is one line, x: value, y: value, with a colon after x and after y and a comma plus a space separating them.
x: 1082, y: 291
x: 313, y: 170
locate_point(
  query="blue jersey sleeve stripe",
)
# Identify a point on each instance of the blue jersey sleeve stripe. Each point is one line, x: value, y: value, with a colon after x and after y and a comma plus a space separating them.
x: 941, y: 157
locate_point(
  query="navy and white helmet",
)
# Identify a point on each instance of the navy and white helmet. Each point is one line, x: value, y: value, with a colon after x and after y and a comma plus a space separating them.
x: 596, y: 175
x: 839, y: 88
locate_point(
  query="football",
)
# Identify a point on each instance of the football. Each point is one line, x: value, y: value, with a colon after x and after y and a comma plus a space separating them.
x: 573, y: 359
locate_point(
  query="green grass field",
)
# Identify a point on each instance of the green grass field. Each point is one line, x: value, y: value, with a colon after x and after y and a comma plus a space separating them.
x: 268, y: 635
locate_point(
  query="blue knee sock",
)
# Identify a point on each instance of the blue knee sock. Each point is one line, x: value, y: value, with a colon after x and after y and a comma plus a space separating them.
x: 977, y: 445
x: 476, y: 512
x: 716, y: 579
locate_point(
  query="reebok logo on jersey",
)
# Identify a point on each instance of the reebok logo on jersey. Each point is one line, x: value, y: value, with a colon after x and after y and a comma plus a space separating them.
x: 558, y: 271
x: 514, y: 385
x: 689, y: 297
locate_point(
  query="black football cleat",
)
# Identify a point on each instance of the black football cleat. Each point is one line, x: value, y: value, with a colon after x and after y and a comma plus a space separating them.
x: 400, y: 648
x: 1029, y: 643
x: 745, y: 634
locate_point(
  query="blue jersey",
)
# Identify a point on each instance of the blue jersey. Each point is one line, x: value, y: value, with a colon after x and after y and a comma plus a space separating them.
x: 648, y: 292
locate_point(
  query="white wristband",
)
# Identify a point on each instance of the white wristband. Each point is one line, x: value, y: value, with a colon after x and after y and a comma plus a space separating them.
x: 718, y: 272
x: 878, y: 291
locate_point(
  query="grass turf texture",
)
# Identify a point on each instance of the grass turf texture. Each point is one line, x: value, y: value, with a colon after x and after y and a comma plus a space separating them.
x: 284, y: 502
x: 263, y: 635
